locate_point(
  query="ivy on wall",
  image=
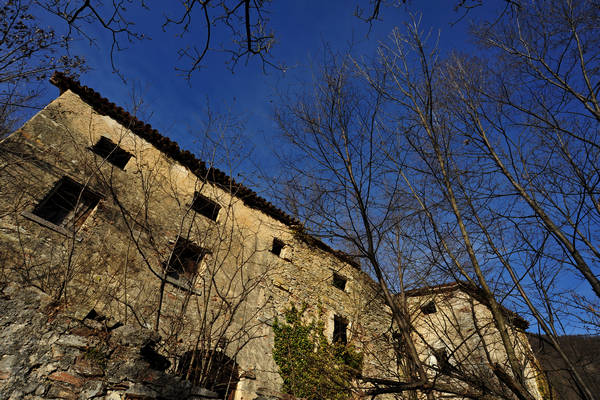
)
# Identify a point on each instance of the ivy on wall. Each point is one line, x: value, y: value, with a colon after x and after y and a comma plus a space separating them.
x: 311, y: 367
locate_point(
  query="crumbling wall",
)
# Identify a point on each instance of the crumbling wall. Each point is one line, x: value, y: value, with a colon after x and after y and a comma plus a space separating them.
x: 47, y: 353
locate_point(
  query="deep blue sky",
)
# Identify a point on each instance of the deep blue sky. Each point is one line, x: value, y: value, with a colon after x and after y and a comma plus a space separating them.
x: 175, y: 106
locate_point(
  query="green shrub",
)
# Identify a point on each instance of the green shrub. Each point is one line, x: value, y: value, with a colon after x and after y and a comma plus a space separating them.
x: 311, y: 367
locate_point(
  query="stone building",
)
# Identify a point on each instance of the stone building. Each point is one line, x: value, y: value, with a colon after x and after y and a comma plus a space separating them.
x: 99, y: 209
x: 456, y: 335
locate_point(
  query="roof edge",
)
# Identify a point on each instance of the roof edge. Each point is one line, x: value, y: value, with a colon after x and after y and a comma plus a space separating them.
x: 514, y: 318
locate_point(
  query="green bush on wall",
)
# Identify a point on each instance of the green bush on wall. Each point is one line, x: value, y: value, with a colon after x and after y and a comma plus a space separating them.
x: 310, y: 366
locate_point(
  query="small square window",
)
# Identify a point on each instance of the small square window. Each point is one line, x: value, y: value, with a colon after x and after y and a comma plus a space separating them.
x: 277, y: 247
x: 185, y: 259
x: 115, y: 155
x: 442, y: 360
x: 429, y: 308
x: 340, y: 328
x: 68, y: 204
x: 339, y: 281
x: 205, y: 206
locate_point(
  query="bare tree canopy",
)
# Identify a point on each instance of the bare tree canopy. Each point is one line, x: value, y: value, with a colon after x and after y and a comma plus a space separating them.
x: 470, y: 168
x: 29, y: 53
x: 245, y: 24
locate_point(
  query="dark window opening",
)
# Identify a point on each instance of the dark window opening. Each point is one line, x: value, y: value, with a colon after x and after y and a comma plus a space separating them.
x: 155, y: 360
x: 205, y: 206
x: 443, y: 360
x: 339, y: 281
x: 68, y: 204
x: 115, y: 155
x: 340, y: 328
x: 429, y: 308
x: 211, y: 369
x: 277, y: 247
x: 399, y: 345
x: 185, y: 259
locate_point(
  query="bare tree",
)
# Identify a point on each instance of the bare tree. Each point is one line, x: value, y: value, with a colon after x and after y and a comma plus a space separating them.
x: 500, y: 180
x: 29, y: 53
x: 530, y: 111
x: 347, y: 185
x: 246, y: 24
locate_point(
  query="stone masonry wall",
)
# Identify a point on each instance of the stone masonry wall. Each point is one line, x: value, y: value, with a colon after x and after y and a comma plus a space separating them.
x: 47, y: 353
x: 462, y: 328
x: 114, y: 261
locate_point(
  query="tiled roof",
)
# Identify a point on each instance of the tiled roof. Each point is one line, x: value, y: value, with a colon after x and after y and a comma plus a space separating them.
x: 213, y: 175
x: 473, y: 291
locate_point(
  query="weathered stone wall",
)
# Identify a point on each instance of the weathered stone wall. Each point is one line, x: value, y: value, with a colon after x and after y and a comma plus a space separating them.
x: 462, y: 329
x: 114, y: 261
x: 49, y: 353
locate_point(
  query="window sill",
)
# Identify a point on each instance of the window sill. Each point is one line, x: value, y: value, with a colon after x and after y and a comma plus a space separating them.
x: 182, y: 284
x: 46, y: 224
x: 286, y: 259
